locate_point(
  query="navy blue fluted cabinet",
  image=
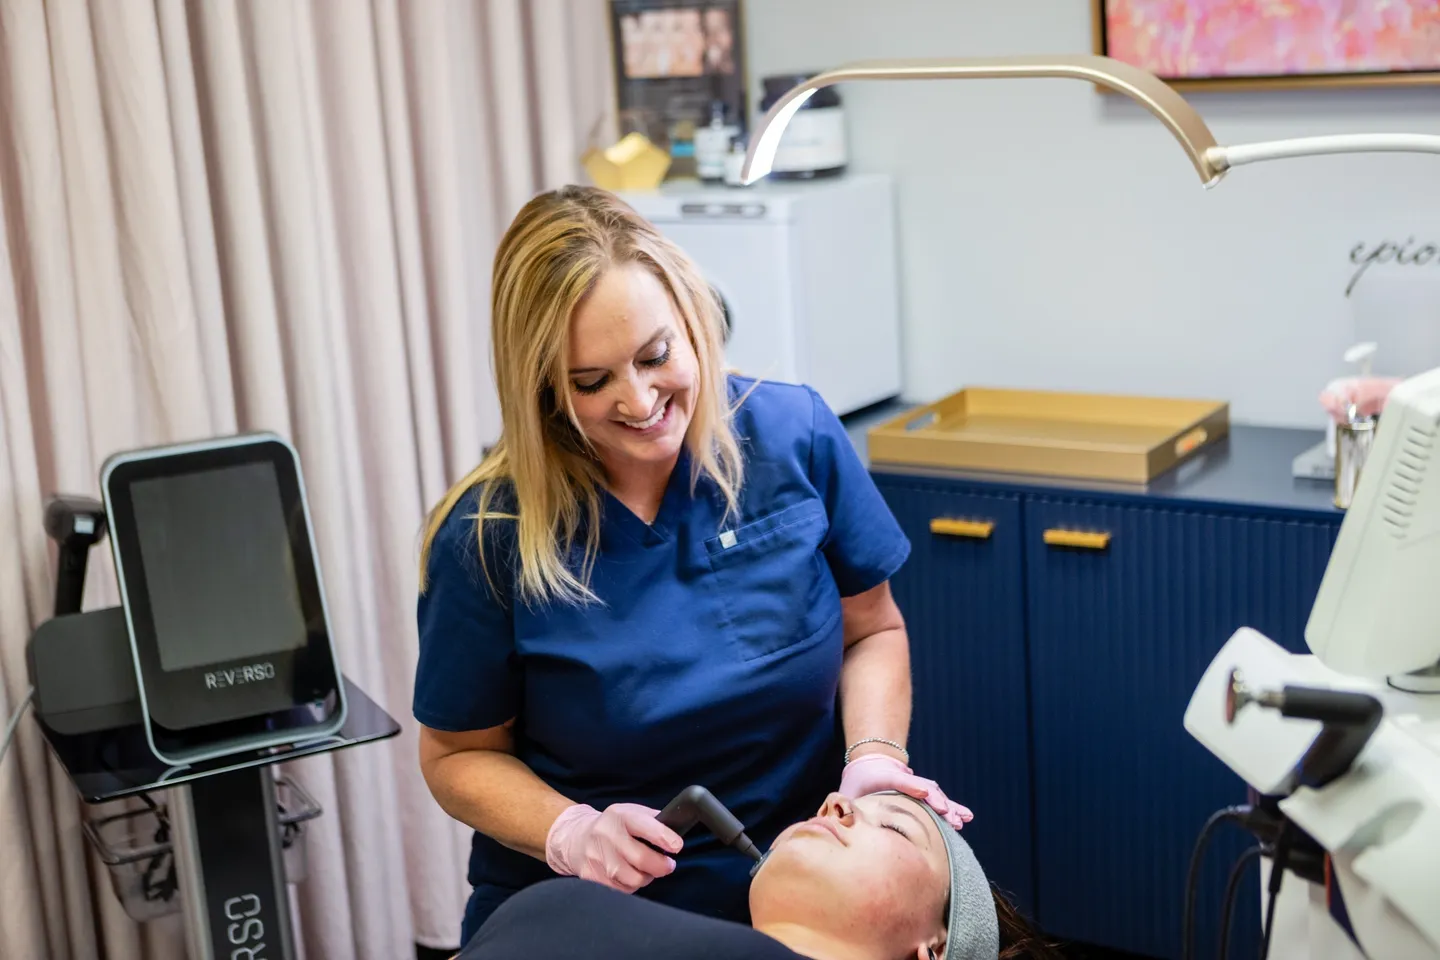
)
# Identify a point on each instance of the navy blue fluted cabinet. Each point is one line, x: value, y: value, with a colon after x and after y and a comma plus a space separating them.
x: 1051, y: 680
x: 963, y: 601
x: 1118, y: 639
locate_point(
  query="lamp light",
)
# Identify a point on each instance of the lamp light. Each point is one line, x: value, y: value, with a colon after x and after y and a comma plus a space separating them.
x: 1210, y: 159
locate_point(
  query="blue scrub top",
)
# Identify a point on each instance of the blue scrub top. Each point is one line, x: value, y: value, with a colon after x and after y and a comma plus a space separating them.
x: 711, y: 660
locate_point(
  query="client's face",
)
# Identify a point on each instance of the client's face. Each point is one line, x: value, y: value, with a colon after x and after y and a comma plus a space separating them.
x: 872, y: 872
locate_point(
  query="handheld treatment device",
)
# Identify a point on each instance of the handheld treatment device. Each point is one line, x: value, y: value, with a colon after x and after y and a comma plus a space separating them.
x: 223, y: 602
x: 75, y: 524
x: 697, y: 805
x: 1349, y: 719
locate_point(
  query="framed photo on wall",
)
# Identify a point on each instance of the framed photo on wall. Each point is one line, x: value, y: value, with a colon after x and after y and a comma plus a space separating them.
x: 674, y: 60
x: 1298, y: 43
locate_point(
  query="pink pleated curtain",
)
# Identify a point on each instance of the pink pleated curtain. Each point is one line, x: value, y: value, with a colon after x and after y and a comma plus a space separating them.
x: 234, y: 215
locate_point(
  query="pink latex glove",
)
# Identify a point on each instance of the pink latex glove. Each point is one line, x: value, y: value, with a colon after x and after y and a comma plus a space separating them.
x: 585, y: 843
x: 876, y: 772
x: 1367, y: 393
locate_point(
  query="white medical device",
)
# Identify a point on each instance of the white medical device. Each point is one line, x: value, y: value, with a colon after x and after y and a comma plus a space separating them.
x: 1374, y: 629
x: 1377, y: 614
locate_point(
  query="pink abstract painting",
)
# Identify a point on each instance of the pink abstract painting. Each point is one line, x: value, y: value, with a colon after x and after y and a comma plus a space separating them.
x: 1207, y: 39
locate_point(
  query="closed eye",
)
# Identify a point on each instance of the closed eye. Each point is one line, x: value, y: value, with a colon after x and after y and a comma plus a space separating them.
x: 594, y: 386
x: 659, y: 361
x: 909, y: 815
x: 896, y: 828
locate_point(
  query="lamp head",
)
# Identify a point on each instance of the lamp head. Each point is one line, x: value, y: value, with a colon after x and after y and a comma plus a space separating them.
x: 1188, y: 128
x: 1210, y: 159
x: 761, y: 156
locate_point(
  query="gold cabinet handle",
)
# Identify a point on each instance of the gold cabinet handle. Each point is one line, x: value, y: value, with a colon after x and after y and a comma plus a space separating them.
x: 1082, y: 539
x: 973, y: 529
x: 1190, y: 441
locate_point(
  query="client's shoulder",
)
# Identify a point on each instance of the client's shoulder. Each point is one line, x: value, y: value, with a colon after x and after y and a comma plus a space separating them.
x: 567, y: 918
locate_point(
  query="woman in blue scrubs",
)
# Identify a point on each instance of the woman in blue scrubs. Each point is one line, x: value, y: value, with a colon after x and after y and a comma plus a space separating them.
x: 660, y: 576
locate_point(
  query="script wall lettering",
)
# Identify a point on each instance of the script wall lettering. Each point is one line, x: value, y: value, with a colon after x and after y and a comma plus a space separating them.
x: 1411, y: 253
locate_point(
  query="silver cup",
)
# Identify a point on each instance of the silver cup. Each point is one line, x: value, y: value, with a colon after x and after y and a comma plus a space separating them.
x: 1353, y: 440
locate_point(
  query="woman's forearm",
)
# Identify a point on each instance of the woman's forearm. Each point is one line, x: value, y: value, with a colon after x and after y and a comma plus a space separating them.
x: 875, y: 691
x: 498, y: 795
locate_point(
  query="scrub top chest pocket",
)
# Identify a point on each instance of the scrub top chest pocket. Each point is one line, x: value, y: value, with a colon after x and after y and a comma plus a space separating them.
x: 774, y: 582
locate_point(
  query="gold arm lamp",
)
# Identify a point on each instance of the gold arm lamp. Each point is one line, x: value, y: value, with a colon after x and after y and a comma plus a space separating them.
x: 1210, y: 159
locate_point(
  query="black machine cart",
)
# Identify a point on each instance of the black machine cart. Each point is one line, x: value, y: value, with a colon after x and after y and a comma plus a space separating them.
x: 219, y: 840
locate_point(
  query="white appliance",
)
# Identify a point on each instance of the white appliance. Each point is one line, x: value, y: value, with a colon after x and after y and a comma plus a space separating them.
x: 808, y: 274
x: 1372, y: 630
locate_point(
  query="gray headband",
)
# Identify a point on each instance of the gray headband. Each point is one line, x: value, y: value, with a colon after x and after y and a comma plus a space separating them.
x: 973, y: 931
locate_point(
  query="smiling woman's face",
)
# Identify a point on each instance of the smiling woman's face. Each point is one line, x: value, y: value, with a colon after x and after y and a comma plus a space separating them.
x: 870, y: 871
x: 632, y: 371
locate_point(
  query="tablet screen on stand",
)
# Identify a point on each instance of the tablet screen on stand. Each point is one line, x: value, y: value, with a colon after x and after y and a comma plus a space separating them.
x: 223, y: 599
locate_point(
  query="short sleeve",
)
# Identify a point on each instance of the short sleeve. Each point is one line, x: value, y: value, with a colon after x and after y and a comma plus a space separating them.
x: 468, y: 676
x: 865, y: 545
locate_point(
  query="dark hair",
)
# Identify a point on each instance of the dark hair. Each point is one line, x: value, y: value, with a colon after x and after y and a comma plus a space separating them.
x: 1019, y: 938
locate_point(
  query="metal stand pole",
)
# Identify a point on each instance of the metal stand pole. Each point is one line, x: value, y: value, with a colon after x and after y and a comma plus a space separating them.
x: 230, y: 867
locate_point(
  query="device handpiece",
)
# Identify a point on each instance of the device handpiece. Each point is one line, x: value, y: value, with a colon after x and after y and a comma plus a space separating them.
x: 1348, y: 719
x: 695, y: 805
x: 76, y: 524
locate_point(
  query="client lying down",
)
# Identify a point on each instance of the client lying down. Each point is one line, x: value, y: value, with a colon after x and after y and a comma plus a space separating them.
x: 879, y: 878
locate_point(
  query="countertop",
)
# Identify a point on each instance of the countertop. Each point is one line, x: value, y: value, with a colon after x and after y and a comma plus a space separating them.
x: 1248, y: 470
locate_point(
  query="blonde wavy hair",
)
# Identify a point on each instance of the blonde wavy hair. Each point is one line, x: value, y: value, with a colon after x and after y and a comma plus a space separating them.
x: 549, y: 260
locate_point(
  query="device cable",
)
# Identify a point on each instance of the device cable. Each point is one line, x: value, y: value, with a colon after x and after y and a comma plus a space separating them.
x: 15, y: 722
x: 1277, y: 876
x: 1192, y: 880
x: 1237, y: 873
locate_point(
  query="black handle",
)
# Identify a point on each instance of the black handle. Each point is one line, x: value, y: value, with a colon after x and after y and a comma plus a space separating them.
x: 695, y: 805
x: 70, y: 579
x: 1329, y: 706
x: 1349, y: 721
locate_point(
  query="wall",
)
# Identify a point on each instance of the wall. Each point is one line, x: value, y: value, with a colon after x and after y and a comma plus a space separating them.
x: 1056, y: 237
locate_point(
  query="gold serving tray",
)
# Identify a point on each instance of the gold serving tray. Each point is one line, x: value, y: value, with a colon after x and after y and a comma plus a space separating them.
x: 1083, y: 435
